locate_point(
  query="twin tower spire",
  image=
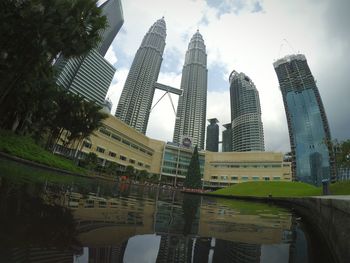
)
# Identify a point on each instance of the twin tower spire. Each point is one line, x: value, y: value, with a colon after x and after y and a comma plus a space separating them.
x: 136, y: 99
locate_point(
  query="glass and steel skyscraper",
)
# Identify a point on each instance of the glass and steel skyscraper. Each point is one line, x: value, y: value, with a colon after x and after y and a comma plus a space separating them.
x: 191, y: 110
x: 136, y: 99
x: 227, y: 138
x: 247, y: 127
x: 309, y: 132
x: 91, y: 75
x: 212, y: 143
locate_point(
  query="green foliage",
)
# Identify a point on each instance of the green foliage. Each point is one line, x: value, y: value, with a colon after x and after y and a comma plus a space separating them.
x: 343, y: 154
x: 73, y: 114
x: 20, y: 173
x: 129, y: 171
x: 33, y: 34
x: 90, y: 161
x: 340, y: 188
x: 193, y: 177
x: 276, y: 189
x: 24, y: 147
x: 252, y: 208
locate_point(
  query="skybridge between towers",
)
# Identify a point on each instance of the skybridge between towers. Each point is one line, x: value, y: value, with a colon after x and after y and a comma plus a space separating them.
x: 167, y: 90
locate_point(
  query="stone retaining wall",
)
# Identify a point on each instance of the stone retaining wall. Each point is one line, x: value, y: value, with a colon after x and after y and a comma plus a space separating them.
x: 328, y: 215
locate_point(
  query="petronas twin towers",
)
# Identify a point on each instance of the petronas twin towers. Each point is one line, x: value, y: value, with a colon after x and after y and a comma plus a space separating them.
x: 136, y: 98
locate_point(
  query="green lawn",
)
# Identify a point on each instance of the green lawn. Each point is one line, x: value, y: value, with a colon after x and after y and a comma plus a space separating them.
x: 24, y: 147
x: 18, y: 172
x: 340, y: 188
x: 276, y: 189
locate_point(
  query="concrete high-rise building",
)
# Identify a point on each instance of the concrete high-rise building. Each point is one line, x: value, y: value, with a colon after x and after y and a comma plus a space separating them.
x: 136, y: 99
x: 91, y: 75
x: 227, y: 138
x: 247, y: 127
x: 191, y: 110
x: 309, y: 132
x: 212, y: 143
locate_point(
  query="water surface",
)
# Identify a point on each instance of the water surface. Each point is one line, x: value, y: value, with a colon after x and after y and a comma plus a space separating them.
x: 99, y: 221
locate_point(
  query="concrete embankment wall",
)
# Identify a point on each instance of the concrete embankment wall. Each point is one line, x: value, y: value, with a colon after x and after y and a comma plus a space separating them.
x: 331, y: 218
x: 328, y: 215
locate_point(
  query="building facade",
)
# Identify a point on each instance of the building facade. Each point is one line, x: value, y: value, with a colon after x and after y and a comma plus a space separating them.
x: 212, y: 143
x: 227, y: 138
x: 116, y: 142
x: 247, y: 127
x: 113, y: 11
x: 191, y: 109
x: 227, y: 168
x: 309, y: 132
x: 175, y: 162
x: 136, y: 99
x: 90, y: 76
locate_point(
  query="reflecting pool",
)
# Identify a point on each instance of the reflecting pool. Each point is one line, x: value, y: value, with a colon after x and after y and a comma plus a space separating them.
x: 96, y: 221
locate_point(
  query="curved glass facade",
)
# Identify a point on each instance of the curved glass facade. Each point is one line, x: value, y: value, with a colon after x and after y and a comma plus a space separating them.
x: 307, y: 122
x: 311, y: 152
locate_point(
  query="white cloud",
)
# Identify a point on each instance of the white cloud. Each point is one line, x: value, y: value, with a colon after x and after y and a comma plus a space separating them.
x: 111, y: 56
x: 116, y: 88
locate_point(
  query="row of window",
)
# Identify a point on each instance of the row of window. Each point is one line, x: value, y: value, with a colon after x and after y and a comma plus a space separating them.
x: 125, y: 141
x: 246, y: 165
x: 244, y: 178
x: 113, y: 154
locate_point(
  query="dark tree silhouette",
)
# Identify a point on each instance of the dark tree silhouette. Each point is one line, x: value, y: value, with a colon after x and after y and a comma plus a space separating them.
x: 193, y: 177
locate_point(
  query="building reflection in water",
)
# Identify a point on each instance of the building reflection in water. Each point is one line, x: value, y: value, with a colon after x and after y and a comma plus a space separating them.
x: 142, y: 224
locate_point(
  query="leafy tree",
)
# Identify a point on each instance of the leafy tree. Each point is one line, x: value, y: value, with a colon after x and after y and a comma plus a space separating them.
x: 193, y: 177
x: 35, y: 32
x: 75, y: 117
x: 343, y: 154
x: 111, y: 169
x: 91, y: 161
x: 130, y: 171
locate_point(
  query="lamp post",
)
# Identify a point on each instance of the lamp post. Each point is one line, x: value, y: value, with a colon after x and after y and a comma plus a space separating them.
x: 336, y: 150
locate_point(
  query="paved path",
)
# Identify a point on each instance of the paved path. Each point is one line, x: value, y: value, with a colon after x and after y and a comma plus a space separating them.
x: 338, y: 197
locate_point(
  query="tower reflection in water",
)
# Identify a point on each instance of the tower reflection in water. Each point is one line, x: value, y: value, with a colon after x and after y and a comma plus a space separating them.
x: 142, y: 224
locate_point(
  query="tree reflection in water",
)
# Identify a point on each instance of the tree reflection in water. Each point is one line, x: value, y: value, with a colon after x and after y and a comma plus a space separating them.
x: 30, y: 219
x: 190, y: 207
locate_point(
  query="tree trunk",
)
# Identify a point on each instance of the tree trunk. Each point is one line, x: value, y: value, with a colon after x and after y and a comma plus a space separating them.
x: 15, y: 123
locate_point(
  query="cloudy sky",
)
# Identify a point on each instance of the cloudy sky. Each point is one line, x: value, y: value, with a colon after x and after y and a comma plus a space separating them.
x: 246, y: 36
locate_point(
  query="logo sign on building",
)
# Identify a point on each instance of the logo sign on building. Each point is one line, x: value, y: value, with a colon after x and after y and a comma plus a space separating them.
x: 186, y: 141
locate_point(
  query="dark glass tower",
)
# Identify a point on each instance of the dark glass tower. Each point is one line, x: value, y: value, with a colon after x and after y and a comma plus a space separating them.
x: 91, y: 75
x: 136, y: 99
x: 227, y: 138
x: 212, y: 143
x: 309, y: 132
x: 192, y: 107
x: 247, y: 127
x: 112, y: 9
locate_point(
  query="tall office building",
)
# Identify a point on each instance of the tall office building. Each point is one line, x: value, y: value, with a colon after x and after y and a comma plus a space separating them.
x: 91, y: 75
x: 309, y: 132
x: 112, y: 9
x: 212, y: 143
x: 227, y: 138
x: 247, y: 127
x: 191, y: 110
x: 136, y: 99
